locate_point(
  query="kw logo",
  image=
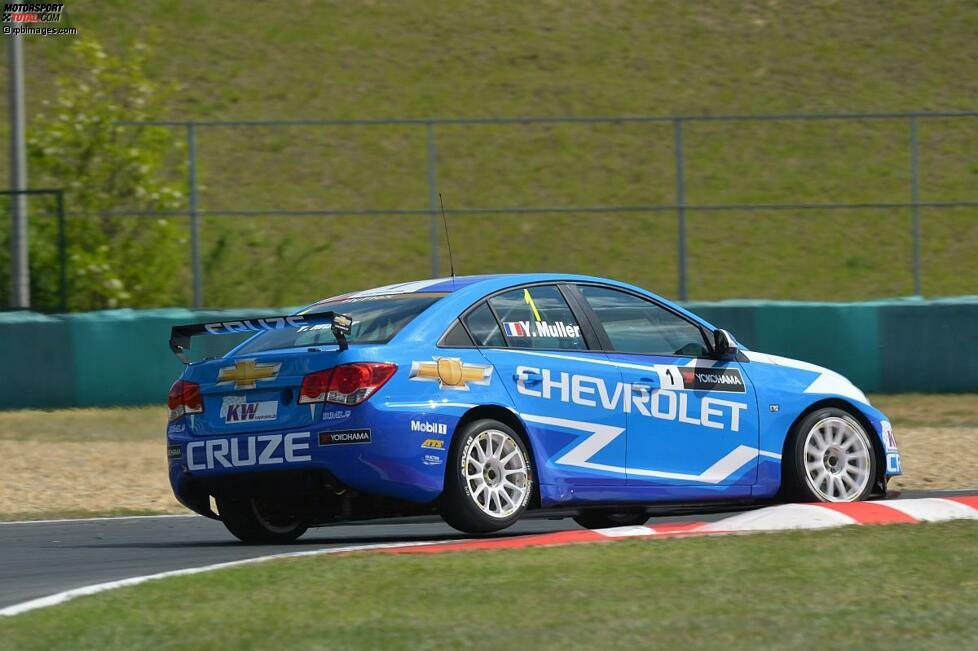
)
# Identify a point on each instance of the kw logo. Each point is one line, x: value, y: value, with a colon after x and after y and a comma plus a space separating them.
x: 246, y: 372
x: 451, y: 373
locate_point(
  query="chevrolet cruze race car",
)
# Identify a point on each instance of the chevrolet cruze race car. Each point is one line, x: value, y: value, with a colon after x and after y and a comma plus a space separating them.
x: 481, y: 397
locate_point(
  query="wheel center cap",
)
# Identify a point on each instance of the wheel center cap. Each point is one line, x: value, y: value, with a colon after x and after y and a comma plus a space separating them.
x: 492, y: 474
x: 834, y: 460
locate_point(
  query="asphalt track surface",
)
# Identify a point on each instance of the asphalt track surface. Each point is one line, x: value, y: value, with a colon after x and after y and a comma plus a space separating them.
x: 42, y: 558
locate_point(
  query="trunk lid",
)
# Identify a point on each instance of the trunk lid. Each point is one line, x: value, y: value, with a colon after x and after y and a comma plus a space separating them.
x: 257, y: 392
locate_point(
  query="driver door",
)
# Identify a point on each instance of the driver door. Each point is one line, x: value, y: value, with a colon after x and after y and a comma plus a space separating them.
x: 692, y: 420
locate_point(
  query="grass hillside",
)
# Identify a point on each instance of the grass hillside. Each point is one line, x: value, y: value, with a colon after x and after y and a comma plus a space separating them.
x: 310, y: 59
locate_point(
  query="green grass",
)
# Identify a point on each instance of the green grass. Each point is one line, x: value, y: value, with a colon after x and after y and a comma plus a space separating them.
x: 895, y: 587
x: 419, y: 59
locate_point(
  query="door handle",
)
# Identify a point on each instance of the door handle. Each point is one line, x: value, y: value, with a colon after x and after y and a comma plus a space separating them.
x: 646, y: 384
x: 528, y: 377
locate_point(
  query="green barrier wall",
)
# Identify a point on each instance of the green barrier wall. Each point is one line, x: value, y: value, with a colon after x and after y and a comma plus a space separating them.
x: 121, y: 357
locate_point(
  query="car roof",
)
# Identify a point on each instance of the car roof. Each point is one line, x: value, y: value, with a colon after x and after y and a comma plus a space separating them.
x: 464, y: 291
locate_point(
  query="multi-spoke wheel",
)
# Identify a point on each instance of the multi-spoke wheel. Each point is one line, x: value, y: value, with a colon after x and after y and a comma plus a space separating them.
x: 832, y: 459
x: 489, y: 481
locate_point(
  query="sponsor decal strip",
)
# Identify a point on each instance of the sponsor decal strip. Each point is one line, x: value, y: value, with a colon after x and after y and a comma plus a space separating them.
x: 602, y: 435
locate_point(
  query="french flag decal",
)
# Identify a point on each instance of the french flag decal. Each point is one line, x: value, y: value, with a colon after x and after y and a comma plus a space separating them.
x: 515, y: 329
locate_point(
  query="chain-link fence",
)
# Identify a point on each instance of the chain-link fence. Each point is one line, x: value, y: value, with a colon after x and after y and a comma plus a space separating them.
x: 806, y: 206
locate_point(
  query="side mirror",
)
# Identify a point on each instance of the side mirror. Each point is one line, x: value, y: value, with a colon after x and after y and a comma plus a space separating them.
x: 724, y: 345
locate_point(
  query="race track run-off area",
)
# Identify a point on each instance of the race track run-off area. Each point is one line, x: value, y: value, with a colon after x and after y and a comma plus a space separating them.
x: 46, y: 563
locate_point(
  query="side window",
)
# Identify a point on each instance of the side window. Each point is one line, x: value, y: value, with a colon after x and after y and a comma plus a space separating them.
x: 537, y: 317
x: 636, y: 325
x: 482, y: 324
x: 456, y: 337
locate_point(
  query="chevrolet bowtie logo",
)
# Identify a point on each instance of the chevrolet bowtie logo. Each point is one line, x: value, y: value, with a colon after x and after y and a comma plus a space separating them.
x: 451, y: 373
x: 246, y: 373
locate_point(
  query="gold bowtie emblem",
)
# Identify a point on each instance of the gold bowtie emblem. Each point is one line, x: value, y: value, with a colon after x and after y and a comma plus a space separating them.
x: 451, y: 373
x: 246, y: 373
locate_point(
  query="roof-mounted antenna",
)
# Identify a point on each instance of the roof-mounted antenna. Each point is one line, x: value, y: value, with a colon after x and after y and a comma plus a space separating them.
x: 451, y: 260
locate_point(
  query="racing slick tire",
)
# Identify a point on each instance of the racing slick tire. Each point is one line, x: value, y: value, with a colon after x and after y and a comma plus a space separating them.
x: 255, y: 520
x: 829, y: 457
x: 489, y: 478
x: 596, y: 519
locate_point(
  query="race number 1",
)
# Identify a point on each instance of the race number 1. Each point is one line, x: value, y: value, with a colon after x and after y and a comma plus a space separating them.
x: 669, y: 377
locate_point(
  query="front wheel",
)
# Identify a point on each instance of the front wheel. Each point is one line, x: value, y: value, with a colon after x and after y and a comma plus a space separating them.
x: 832, y: 459
x: 255, y: 520
x: 489, y: 479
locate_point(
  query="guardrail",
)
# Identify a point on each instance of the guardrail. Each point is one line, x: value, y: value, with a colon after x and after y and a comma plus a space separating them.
x: 121, y: 357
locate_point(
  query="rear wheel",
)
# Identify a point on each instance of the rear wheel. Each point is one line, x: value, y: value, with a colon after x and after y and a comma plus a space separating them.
x: 606, y: 519
x: 256, y: 520
x: 489, y: 480
x: 832, y: 459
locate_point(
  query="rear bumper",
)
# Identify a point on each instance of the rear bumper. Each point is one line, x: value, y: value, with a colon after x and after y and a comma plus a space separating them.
x: 375, y: 450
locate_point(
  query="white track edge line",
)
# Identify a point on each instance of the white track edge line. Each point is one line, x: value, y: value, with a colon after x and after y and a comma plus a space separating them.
x: 95, y: 588
x: 102, y: 518
x: 67, y: 595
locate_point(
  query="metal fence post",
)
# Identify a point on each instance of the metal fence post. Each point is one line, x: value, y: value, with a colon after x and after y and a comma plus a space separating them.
x: 677, y: 130
x: 433, y: 197
x: 195, y: 266
x: 62, y: 251
x: 915, y: 198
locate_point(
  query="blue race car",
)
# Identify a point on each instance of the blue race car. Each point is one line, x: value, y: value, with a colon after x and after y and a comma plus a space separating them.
x: 481, y: 397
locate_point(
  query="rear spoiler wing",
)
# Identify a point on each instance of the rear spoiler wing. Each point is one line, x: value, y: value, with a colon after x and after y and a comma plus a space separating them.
x: 181, y: 335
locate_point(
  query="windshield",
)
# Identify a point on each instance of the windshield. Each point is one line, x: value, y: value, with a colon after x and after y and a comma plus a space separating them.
x: 376, y: 319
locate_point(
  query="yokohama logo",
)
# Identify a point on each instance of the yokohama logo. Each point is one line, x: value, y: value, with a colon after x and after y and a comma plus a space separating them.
x: 345, y: 436
x: 719, y: 379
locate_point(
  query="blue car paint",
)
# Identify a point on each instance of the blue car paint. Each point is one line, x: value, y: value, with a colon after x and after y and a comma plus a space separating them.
x: 583, y: 453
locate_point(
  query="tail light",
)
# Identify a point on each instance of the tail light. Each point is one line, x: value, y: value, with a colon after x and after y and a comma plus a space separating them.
x: 315, y: 386
x: 349, y: 384
x: 184, y: 398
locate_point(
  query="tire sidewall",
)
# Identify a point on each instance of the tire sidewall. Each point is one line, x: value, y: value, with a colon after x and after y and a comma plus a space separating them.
x: 240, y: 517
x: 796, y: 481
x: 462, y: 497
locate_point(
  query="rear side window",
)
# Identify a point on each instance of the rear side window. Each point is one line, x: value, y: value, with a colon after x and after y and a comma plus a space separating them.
x: 537, y: 317
x: 636, y: 325
x: 456, y: 337
x: 482, y: 324
x: 376, y: 319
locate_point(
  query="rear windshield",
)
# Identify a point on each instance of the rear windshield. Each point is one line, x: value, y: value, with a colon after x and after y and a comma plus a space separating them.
x: 376, y: 319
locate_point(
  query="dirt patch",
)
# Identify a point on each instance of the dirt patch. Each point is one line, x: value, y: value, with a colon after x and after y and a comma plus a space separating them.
x: 101, y: 476
x: 937, y: 457
x: 69, y: 477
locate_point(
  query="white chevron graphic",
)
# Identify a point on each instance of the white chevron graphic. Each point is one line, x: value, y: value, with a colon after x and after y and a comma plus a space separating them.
x: 601, y: 435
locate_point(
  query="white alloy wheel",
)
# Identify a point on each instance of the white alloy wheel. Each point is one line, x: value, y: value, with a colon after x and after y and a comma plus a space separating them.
x: 495, y: 473
x: 838, y: 459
